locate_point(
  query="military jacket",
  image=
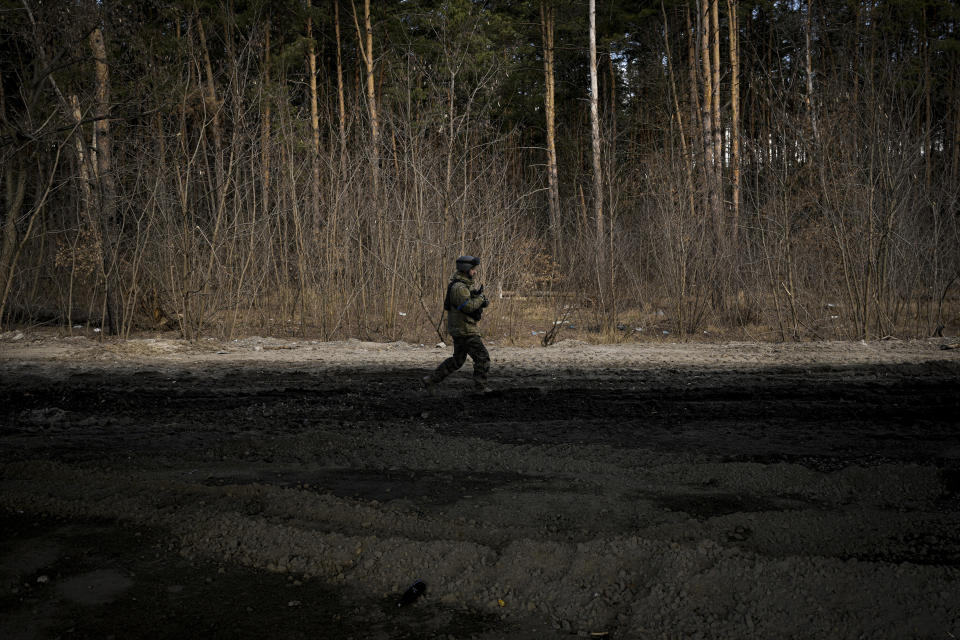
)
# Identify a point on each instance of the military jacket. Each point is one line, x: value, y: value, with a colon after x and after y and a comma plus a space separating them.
x: 462, y: 303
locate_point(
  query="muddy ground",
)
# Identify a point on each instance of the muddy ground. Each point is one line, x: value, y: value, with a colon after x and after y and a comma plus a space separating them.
x: 293, y: 489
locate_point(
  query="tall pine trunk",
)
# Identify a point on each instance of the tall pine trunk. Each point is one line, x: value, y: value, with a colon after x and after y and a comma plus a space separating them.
x: 341, y: 108
x: 735, y: 118
x: 712, y: 198
x: 715, y: 99
x: 365, y: 39
x: 595, y: 131
x: 604, y: 261
x: 107, y: 191
x: 808, y: 56
x: 547, y: 23
x: 678, y: 113
x: 314, y: 128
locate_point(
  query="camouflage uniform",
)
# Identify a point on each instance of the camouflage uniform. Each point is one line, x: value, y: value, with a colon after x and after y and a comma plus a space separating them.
x: 463, y: 327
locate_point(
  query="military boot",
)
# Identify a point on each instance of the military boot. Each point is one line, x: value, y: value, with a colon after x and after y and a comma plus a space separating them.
x: 481, y: 387
x: 429, y: 384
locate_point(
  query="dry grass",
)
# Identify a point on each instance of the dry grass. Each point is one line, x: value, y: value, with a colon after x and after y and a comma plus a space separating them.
x: 519, y: 320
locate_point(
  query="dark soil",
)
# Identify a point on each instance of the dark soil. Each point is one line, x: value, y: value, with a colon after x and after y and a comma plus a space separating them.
x: 297, y: 498
x: 128, y: 583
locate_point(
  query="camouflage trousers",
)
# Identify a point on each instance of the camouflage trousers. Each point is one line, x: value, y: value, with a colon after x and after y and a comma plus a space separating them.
x: 462, y: 347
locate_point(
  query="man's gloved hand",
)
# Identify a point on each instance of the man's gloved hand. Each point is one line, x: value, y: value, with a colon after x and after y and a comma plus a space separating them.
x: 484, y: 303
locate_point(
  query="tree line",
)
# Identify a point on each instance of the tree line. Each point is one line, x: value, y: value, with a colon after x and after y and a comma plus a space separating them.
x: 313, y: 167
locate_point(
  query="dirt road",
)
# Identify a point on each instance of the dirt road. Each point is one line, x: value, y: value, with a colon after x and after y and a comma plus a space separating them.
x: 293, y: 489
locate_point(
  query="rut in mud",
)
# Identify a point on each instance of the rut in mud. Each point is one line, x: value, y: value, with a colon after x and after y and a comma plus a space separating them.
x: 726, y: 491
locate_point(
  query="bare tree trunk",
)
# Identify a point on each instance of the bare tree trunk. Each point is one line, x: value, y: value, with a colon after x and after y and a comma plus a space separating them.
x: 613, y: 98
x: 706, y: 113
x: 222, y: 175
x: 105, y: 181
x: 694, y: 84
x: 678, y: 114
x: 265, y: 127
x: 811, y: 114
x: 448, y: 172
x: 341, y: 108
x: 210, y: 89
x: 547, y: 23
x: 82, y: 159
x: 928, y: 103
x: 16, y: 189
x: 366, y: 50
x: 299, y: 242
x: 87, y: 170
x: 595, y: 129
x: 9, y: 263
x: 604, y: 261
x: 715, y: 104
x: 364, y: 233
x: 735, y: 117
x: 333, y: 249
x: 314, y: 126
x: 955, y: 171
x: 855, y: 66
x: 709, y: 149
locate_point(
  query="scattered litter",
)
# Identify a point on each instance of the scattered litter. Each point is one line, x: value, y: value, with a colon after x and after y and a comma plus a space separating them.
x: 501, y: 602
x: 96, y: 330
x: 43, y: 579
x: 78, y: 326
x: 410, y: 596
x: 294, y: 603
x: 441, y: 345
x: 665, y: 332
x: 403, y: 313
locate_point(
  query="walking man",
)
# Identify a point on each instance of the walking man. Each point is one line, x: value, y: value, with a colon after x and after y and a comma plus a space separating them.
x: 464, y: 306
